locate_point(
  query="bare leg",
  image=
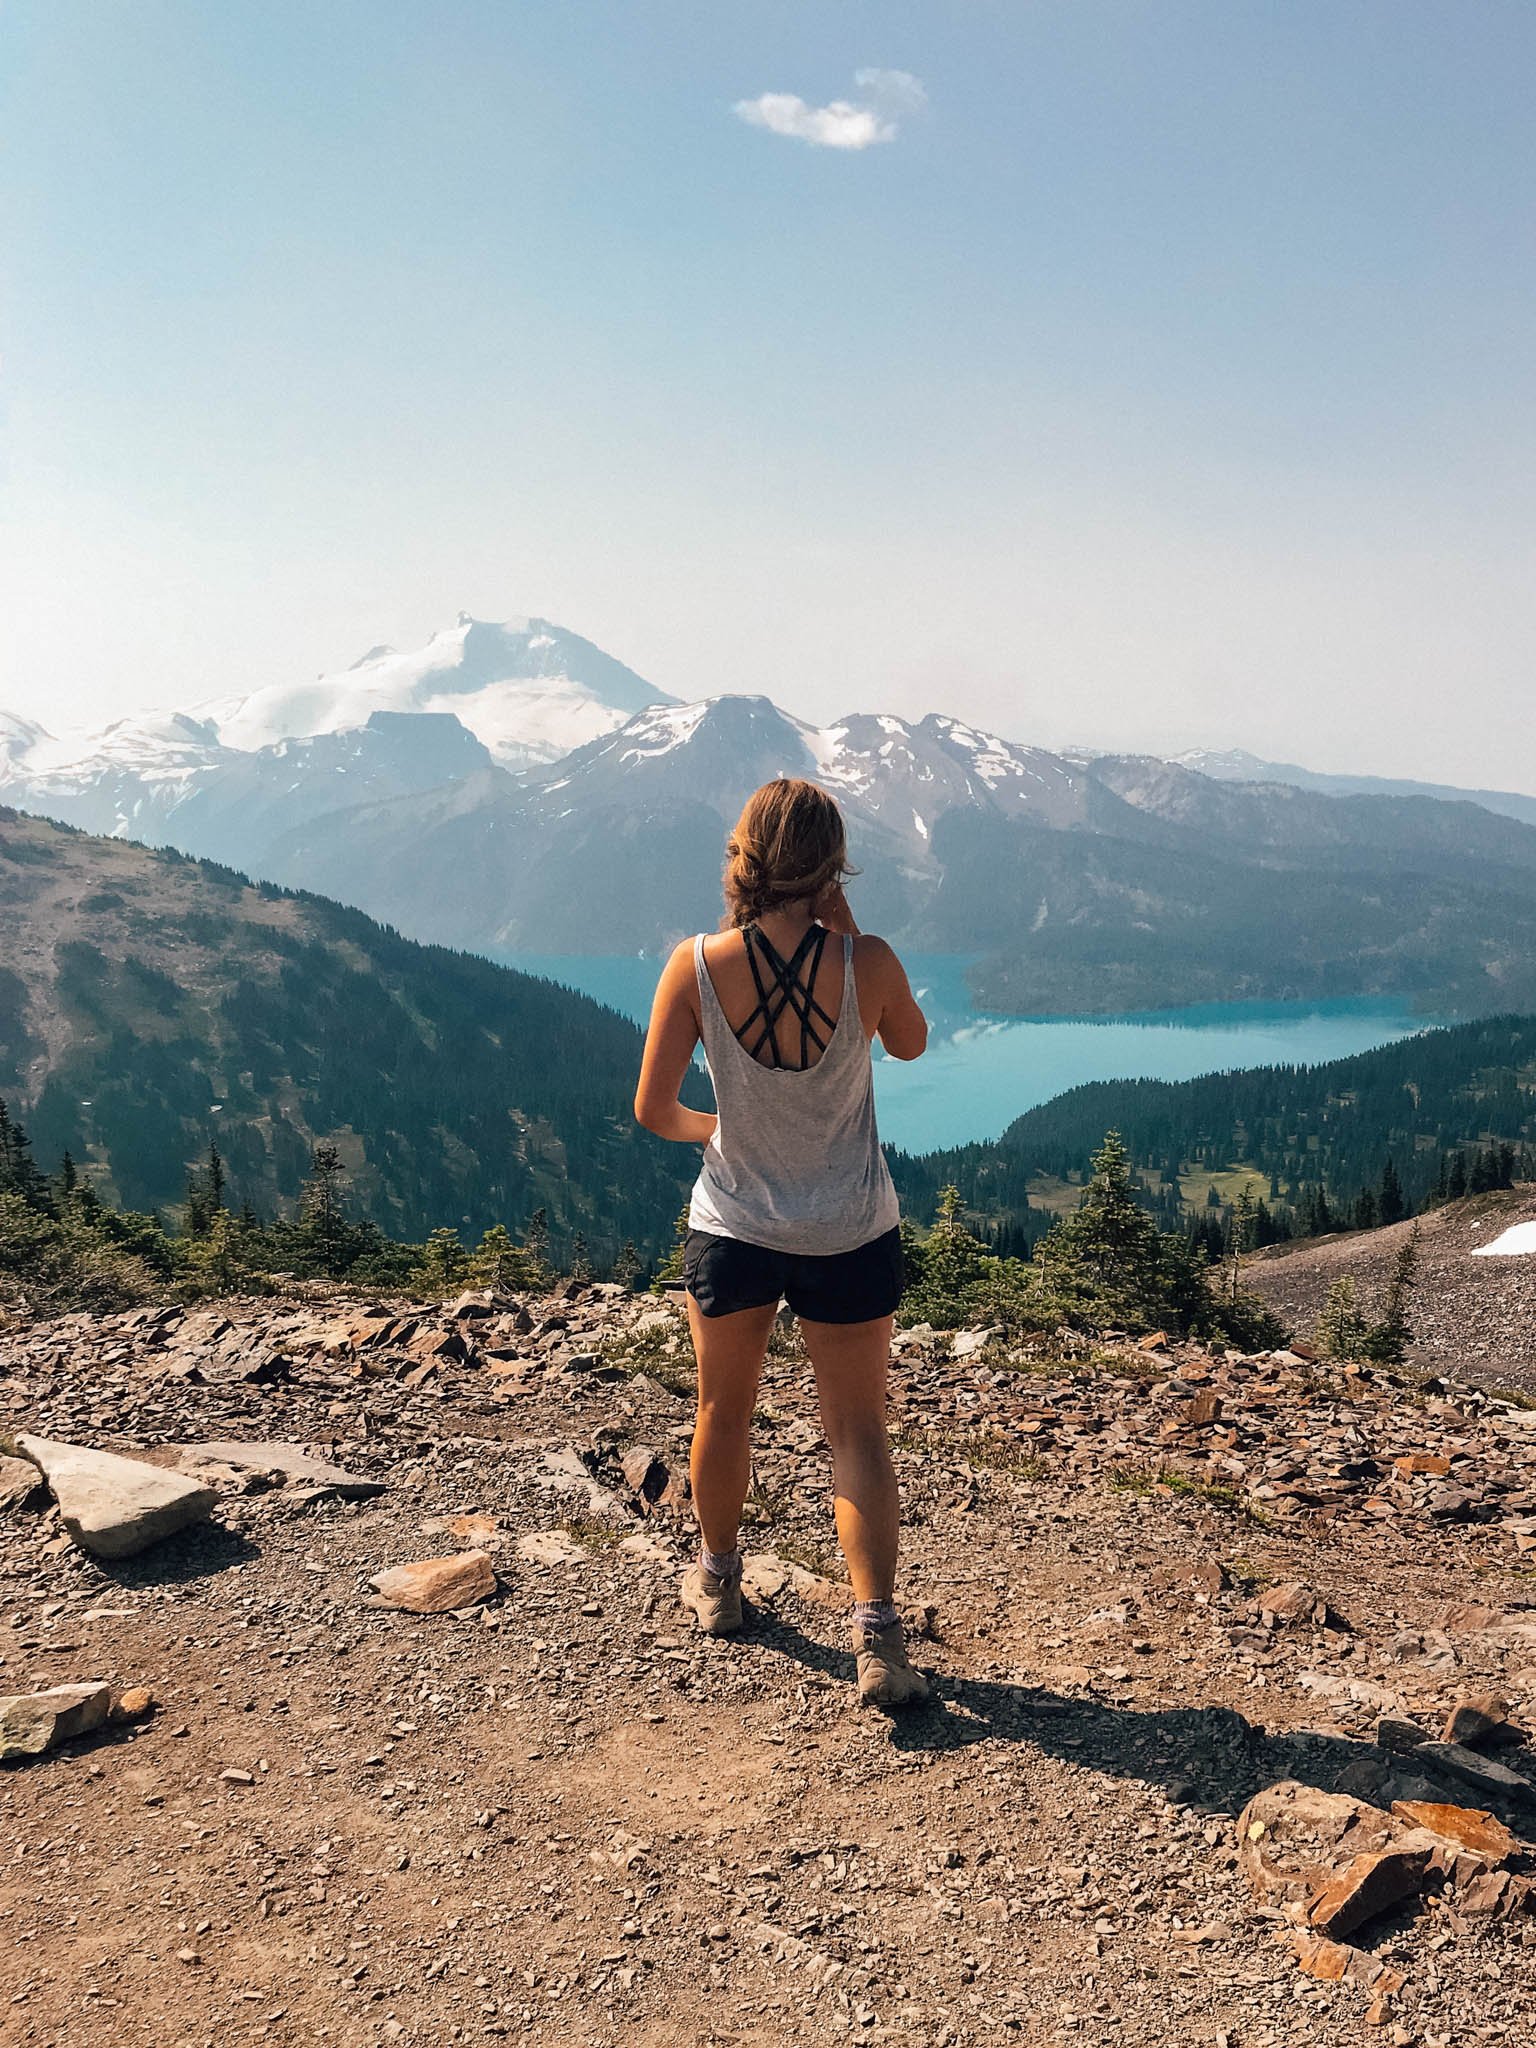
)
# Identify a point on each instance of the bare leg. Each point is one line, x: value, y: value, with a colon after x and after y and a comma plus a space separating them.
x: 851, y: 1361
x: 730, y: 1352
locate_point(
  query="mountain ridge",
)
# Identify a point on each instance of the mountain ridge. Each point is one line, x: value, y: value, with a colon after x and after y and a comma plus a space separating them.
x: 149, y: 1002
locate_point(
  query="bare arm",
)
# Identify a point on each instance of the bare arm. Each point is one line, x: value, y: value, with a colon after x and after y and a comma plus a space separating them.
x: 902, y: 1029
x: 669, y: 1042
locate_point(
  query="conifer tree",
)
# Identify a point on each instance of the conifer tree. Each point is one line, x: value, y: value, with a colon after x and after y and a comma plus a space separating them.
x: 671, y: 1267
x: 19, y: 1171
x: 1390, y: 1204
x: 1341, y: 1330
x: 1388, y: 1340
x: 444, y: 1263
x: 497, y: 1262
x: 323, y: 1229
x: 1109, y: 1248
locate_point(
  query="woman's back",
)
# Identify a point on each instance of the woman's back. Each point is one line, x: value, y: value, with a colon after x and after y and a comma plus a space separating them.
x: 795, y: 1164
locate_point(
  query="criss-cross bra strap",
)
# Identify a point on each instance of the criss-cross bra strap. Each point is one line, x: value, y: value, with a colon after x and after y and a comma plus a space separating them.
x: 792, y: 989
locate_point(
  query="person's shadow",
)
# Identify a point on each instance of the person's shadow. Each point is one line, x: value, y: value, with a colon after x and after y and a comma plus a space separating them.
x: 1210, y: 1758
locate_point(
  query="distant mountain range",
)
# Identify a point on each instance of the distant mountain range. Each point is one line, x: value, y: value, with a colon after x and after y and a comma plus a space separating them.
x: 1234, y: 765
x: 512, y: 788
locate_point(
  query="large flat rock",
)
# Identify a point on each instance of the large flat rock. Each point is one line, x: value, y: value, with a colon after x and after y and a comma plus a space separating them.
x: 31, y: 1722
x: 115, y: 1506
x: 278, y: 1464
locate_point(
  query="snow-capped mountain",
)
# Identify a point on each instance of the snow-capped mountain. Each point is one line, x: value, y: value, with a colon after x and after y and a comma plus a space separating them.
x: 227, y: 778
x: 124, y: 781
x: 512, y: 788
x: 620, y: 844
x: 527, y: 689
x: 889, y: 773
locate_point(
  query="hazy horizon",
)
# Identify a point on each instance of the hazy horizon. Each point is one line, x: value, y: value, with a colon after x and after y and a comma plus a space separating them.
x: 1139, y: 377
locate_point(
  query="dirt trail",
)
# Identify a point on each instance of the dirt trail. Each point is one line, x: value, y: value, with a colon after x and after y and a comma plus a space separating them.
x: 561, y: 1815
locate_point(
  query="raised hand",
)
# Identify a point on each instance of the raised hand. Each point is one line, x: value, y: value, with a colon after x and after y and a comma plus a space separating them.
x: 832, y: 910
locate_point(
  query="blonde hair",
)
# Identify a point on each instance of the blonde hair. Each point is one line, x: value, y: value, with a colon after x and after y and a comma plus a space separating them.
x: 788, y: 843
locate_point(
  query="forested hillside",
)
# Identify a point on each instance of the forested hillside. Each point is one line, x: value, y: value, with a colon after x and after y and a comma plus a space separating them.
x: 150, y: 1003
x: 1435, y: 1113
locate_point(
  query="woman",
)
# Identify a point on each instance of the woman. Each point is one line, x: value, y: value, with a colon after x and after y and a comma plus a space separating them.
x: 794, y: 1199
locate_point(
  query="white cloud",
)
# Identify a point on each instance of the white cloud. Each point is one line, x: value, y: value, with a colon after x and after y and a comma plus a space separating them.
x: 840, y: 124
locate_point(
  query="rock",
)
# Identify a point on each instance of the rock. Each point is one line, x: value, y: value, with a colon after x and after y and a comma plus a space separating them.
x: 19, y: 1481
x: 1455, y: 1760
x: 280, y: 1464
x: 1467, y: 1828
x: 763, y: 1574
x: 1368, y: 1886
x: 966, y: 1343
x: 34, y: 1721
x: 1422, y: 1462
x: 1155, y: 1340
x: 645, y: 1470
x: 1291, y: 1838
x: 1335, y: 1962
x: 1398, y: 1735
x: 438, y: 1347
x: 470, y: 1305
x: 1479, y: 1717
x: 1492, y: 1892
x: 652, y: 1478
x: 136, y: 1703
x: 437, y: 1585
x: 115, y: 1506
x: 1288, y: 1603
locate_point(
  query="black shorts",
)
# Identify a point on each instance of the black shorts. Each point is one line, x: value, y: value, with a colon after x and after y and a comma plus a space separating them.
x: 724, y: 1276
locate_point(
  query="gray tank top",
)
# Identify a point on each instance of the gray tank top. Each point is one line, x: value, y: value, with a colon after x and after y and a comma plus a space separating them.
x: 796, y: 1164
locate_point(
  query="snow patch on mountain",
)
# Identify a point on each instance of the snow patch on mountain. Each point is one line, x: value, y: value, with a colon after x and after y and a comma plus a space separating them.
x: 527, y: 689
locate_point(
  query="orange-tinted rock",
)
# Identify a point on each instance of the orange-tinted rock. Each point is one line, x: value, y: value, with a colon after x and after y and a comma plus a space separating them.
x: 1327, y: 1960
x: 1467, y: 1828
x: 1417, y: 1462
x: 1369, y: 1885
x: 1289, y: 1603
x: 1291, y: 1838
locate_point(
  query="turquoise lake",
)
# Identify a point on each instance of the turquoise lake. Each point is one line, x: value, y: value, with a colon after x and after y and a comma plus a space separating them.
x: 980, y: 1072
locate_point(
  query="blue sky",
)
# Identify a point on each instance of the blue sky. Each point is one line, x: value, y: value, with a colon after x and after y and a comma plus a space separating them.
x: 1166, y: 378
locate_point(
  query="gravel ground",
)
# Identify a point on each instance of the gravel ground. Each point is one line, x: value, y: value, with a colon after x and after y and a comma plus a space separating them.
x: 559, y: 1814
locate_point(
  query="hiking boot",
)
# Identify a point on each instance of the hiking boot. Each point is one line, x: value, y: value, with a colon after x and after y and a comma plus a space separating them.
x: 886, y: 1679
x: 716, y: 1603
